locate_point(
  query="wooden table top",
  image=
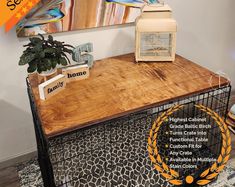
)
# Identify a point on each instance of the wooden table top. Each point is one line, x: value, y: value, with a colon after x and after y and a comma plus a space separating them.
x: 117, y: 86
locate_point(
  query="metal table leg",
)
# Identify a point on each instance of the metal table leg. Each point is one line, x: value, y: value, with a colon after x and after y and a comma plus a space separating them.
x: 42, y: 145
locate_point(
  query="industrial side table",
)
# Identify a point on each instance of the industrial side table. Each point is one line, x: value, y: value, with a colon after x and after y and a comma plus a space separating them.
x: 94, y: 132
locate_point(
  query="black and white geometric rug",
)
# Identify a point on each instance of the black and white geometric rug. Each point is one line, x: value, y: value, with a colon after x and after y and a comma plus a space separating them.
x: 30, y: 176
x: 106, y: 155
x: 109, y: 154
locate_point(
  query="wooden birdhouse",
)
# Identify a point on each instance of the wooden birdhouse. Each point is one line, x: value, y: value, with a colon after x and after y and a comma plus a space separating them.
x: 155, y: 34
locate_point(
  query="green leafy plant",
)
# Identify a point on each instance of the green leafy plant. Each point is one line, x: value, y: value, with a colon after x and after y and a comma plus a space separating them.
x: 42, y: 55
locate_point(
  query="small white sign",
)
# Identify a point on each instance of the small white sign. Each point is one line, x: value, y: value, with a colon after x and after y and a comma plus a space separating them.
x: 52, y: 86
x: 77, y: 72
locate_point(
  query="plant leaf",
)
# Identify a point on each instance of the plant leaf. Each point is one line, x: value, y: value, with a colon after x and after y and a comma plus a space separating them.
x: 37, y: 48
x: 68, y: 50
x: 41, y: 36
x: 26, y: 58
x: 41, y: 67
x: 42, y: 54
x: 50, y: 50
x: 67, y: 45
x: 47, y: 63
x: 50, y: 38
x: 59, y: 44
x: 32, y: 68
x: 63, y: 61
x: 35, y: 40
x: 39, y: 70
x: 63, y: 54
x: 53, y: 62
x: 44, y: 68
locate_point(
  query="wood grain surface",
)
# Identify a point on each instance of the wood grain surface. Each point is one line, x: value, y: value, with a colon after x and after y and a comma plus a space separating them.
x: 117, y: 86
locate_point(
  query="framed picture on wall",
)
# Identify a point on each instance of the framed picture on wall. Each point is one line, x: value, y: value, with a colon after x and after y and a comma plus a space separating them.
x: 51, y: 16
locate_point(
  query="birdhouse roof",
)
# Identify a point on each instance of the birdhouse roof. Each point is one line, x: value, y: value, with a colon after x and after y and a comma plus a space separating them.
x: 157, y: 8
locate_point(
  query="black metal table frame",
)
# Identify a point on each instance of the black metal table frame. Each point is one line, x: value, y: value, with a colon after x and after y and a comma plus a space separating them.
x: 42, y: 141
x: 42, y: 144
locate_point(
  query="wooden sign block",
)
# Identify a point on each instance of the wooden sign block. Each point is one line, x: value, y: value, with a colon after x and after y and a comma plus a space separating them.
x: 76, y: 72
x: 52, y: 86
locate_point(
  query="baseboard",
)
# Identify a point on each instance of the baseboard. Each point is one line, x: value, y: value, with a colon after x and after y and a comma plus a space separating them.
x: 18, y: 159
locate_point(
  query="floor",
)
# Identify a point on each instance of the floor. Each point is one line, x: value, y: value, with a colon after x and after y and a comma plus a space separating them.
x: 9, y: 176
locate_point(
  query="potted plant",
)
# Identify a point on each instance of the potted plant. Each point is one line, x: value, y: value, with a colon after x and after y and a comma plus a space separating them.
x: 43, y: 55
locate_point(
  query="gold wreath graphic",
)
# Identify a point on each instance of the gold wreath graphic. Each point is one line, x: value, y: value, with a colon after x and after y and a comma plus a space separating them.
x: 171, y: 175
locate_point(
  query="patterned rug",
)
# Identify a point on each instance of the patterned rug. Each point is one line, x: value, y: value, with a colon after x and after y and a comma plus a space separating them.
x: 30, y: 176
x: 109, y: 154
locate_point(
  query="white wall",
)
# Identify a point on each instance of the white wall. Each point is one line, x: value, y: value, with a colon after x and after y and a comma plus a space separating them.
x: 206, y: 35
x: 206, y: 32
